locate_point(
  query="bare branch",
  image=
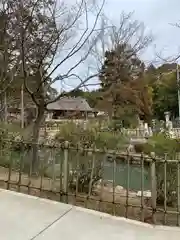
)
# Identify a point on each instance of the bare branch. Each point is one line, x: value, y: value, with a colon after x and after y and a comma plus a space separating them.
x: 172, y: 58
x: 76, y: 49
x: 82, y: 83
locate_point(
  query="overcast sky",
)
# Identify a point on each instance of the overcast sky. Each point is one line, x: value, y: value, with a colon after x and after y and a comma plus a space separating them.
x: 157, y: 16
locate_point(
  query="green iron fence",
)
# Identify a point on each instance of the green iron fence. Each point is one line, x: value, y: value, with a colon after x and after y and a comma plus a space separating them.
x: 135, y: 186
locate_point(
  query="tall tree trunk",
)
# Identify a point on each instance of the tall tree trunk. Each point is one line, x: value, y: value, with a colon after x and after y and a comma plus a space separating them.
x: 36, y: 130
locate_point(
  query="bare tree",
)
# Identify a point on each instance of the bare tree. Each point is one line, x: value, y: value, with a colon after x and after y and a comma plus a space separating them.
x: 128, y: 32
x: 162, y: 55
x: 50, y: 39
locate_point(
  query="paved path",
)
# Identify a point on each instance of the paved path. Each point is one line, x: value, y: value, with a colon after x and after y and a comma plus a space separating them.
x: 24, y: 217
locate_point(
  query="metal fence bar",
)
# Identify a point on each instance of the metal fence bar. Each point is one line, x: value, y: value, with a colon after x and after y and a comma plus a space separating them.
x: 114, y: 185
x: 10, y: 171
x: 41, y: 176
x: 127, y: 187
x: 91, y: 176
x: 53, y: 178
x: 142, y: 187
x: 60, y: 179
x: 153, y: 187
x: 165, y: 190
x: 29, y: 177
x: 178, y: 193
x: 102, y: 181
x: 77, y: 174
x: 21, y: 167
x: 65, y: 172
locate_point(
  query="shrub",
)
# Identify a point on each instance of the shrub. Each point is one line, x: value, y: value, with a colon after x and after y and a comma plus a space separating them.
x: 90, y: 137
x: 160, y: 145
x: 11, y: 138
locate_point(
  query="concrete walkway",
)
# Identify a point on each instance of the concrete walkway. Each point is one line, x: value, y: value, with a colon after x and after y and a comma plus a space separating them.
x: 24, y: 217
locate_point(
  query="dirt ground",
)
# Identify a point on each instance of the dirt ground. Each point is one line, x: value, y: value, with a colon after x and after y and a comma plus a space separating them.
x: 47, y: 188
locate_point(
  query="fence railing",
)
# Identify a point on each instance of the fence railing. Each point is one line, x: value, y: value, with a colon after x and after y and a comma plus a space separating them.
x: 136, y: 186
x: 133, y: 133
x: 53, y: 128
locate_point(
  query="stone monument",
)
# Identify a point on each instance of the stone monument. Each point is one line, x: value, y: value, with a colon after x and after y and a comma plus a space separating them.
x: 167, y: 118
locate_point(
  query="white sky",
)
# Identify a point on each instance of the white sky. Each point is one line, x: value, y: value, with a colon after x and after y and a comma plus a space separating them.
x: 157, y: 15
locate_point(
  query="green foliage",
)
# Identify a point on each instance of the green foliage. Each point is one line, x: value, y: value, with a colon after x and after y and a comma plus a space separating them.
x: 163, y: 83
x: 115, y: 125
x: 160, y: 144
x: 6, y: 144
x: 90, y: 137
x: 121, y: 67
x: 153, y: 94
x: 12, y: 136
x: 165, y: 96
x: 10, y: 127
x: 125, y: 91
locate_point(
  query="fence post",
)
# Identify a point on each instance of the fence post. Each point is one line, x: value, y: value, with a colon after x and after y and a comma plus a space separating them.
x: 65, y: 171
x: 178, y: 191
x: 52, y: 156
x: 153, y: 187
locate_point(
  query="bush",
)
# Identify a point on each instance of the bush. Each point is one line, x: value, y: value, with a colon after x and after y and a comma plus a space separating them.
x: 160, y: 145
x: 90, y: 137
x: 11, y: 140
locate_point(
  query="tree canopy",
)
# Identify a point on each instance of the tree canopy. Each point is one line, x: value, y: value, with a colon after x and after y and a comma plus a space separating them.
x: 123, y: 85
x: 156, y: 90
x: 165, y: 91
